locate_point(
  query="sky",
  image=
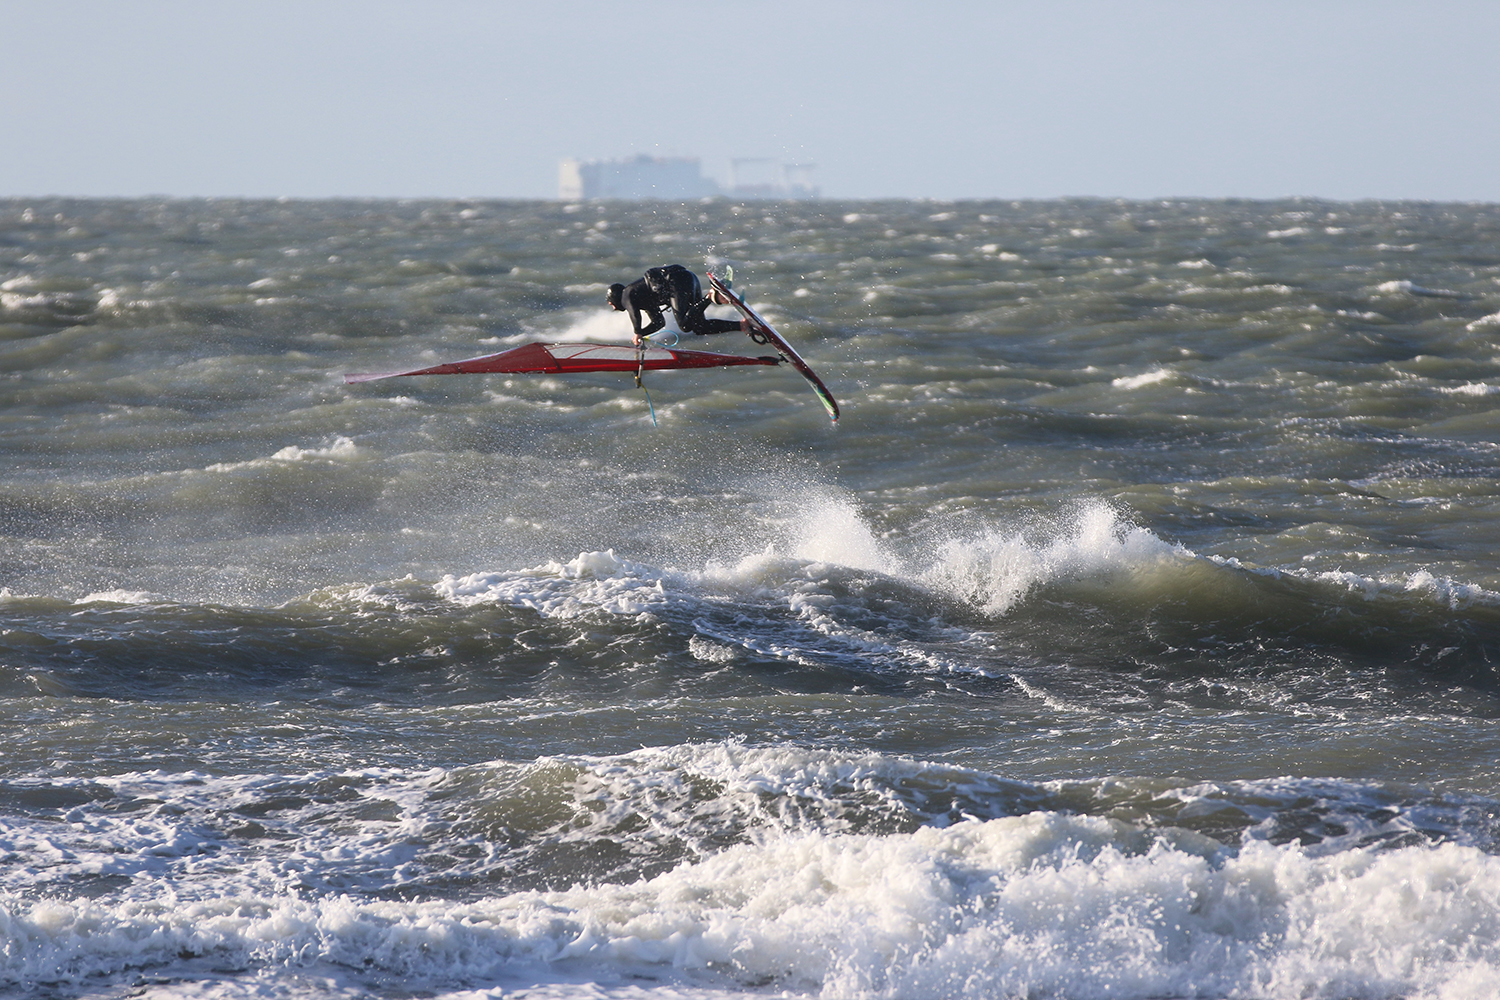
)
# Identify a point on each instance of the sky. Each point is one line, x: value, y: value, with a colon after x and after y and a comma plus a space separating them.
x: 1332, y: 99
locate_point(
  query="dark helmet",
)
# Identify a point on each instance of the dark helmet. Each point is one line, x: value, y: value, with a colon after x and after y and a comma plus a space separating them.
x: 615, y: 291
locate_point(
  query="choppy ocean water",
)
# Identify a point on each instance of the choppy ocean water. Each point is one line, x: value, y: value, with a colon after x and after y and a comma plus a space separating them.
x: 1133, y: 634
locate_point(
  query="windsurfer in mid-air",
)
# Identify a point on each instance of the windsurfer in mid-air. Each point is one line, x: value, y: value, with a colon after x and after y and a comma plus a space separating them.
x: 673, y: 286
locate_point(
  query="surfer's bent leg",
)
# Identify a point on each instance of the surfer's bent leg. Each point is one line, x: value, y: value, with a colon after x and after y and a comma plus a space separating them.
x: 692, y: 320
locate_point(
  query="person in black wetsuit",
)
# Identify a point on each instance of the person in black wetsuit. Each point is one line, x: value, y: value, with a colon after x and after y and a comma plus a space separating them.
x: 673, y: 286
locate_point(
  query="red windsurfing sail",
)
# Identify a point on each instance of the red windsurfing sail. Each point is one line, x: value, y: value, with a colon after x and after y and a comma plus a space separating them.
x: 560, y: 359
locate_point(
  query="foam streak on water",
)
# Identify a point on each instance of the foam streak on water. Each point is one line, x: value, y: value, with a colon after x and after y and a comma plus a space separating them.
x: 1132, y: 635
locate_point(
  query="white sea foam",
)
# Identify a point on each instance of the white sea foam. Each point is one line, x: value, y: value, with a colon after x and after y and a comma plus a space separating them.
x: 1029, y: 902
x: 1412, y: 288
x: 593, y: 581
x: 337, y: 447
x: 1439, y: 589
x: 710, y: 651
x: 1442, y: 590
x: 992, y: 569
x: 601, y: 325
x: 122, y: 597
x: 998, y: 569
x: 1040, y: 904
x: 115, y: 300
x: 1146, y: 378
x: 14, y: 300
x: 833, y: 531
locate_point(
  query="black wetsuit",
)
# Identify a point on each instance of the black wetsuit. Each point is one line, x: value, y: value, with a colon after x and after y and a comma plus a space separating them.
x: 677, y: 287
x: 638, y: 298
